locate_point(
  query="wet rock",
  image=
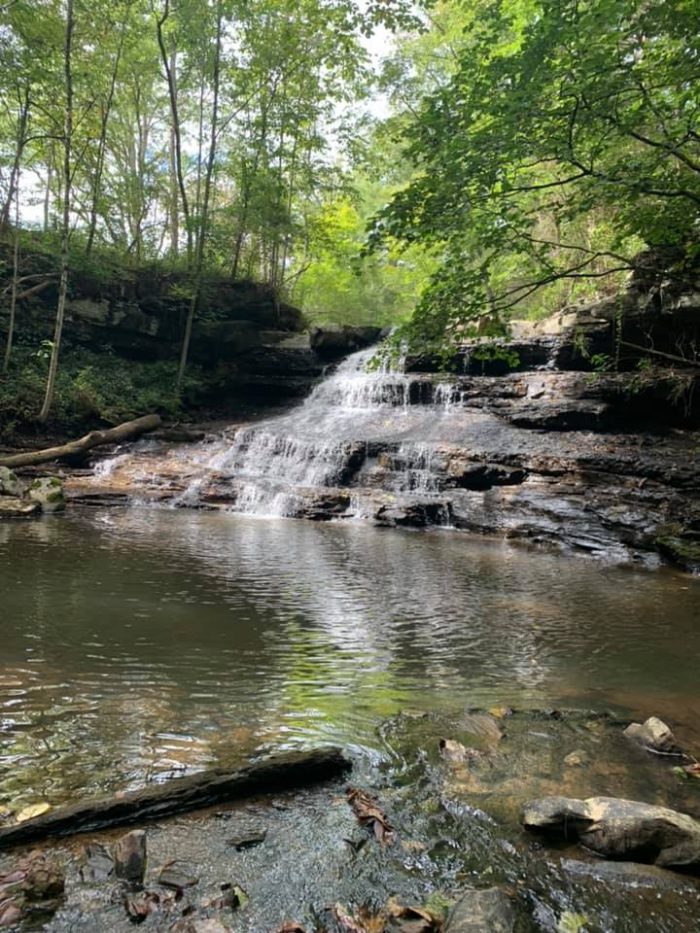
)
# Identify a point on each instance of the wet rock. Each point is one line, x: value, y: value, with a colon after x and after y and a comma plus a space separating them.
x: 322, y: 505
x: 9, y: 483
x: 10, y: 507
x: 247, y: 840
x: 200, y: 925
x: 34, y: 886
x: 627, y: 874
x: 480, y: 476
x: 654, y: 735
x: 682, y: 549
x: 335, y: 340
x: 451, y: 750
x: 489, y: 910
x: 577, y: 758
x: 130, y: 856
x: 48, y: 493
x: 178, y: 874
x: 139, y: 906
x: 620, y: 829
x: 483, y: 726
x: 413, y: 514
x: 98, y: 864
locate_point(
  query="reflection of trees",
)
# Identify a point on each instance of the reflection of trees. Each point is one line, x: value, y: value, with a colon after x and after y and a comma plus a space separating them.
x: 136, y: 643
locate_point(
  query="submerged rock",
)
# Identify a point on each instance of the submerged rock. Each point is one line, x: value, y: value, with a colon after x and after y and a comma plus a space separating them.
x: 620, y: 829
x: 489, y: 910
x: 654, y: 735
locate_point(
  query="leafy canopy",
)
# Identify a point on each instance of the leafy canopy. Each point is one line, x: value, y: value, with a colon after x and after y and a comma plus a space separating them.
x: 557, y: 112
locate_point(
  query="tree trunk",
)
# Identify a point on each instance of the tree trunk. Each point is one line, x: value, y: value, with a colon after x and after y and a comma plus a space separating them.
x: 176, y: 139
x: 22, y: 124
x: 13, y: 289
x: 47, y: 193
x: 204, y: 220
x: 174, y: 200
x: 102, y: 142
x: 65, y: 233
x: 123, y: 432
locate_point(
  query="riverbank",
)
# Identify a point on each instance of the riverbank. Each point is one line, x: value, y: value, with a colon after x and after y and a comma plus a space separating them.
x: 452, y: 848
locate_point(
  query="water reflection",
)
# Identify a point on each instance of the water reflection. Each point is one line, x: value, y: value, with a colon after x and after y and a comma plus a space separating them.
x: 136, y: 644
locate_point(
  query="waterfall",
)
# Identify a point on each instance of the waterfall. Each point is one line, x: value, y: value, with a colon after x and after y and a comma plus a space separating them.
x: 327, y: 443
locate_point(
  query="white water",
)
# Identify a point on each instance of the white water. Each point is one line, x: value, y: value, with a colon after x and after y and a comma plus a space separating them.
x: 270, y: 467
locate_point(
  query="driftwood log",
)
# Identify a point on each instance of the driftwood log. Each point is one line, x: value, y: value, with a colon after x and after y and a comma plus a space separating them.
x: 123, y: 432
x: 271, y: 775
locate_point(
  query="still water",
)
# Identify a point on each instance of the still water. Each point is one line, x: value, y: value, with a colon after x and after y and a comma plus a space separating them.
x: 135, y: 644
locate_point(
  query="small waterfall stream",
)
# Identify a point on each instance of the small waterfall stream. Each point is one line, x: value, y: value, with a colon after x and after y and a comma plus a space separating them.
x: 327, y: 442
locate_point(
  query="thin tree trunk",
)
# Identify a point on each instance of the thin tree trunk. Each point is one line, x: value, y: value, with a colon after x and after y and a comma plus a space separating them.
x: 13, y: 289
x: 204, y: 221
x: 174, y: 199
x: 176, y: 135
x: 23, y: 122
x: 65, y: 233
x: 47, y: 195
x: 102, y: 142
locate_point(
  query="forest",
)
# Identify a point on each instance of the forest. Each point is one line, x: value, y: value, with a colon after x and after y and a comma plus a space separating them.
x: 440, y: 166
x: 349, y: 466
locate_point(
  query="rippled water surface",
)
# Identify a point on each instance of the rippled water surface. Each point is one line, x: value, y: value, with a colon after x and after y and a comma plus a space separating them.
x: 138, y: 643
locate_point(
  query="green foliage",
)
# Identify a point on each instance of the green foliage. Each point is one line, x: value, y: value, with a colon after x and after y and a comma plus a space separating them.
x: 565, y: 137
x: 92, y: 389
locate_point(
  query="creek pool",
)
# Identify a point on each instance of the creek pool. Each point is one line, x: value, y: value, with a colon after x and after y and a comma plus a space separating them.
x: 140, y: 643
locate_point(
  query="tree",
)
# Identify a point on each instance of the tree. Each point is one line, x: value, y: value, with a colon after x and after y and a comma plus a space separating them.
x: 555, y: 110
x: 66, y: 221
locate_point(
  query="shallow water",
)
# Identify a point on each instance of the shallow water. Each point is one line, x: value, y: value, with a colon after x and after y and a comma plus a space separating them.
x: 136, y: 644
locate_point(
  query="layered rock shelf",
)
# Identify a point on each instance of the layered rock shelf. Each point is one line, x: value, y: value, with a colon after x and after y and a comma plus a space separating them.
x: 604, y: 463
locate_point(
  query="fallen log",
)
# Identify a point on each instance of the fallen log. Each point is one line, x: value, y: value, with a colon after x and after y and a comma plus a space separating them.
x: 271, y: 775
x: 123, y: 432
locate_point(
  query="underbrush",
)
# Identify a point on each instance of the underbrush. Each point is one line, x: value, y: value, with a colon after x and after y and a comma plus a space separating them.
x: 92, y: 390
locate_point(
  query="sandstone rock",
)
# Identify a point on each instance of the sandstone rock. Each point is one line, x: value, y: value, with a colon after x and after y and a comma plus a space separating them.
x: 10, y: 485
x: 130, y: 856
x: 48, y: 493
x: 620, y: 829
x: 489, y: 910
x: 653, y: 735
x: 17, y: 508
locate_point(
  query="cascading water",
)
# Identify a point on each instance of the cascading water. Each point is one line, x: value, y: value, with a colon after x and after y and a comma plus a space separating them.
x: 328, y: 442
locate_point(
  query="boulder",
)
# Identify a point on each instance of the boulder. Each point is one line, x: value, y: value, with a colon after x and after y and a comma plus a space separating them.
x: 489, y: 910
x: 10, y: 507
x: 10, y: 485
x: 654, y: 735
x: 48, y: 493
x: 620, y: 829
